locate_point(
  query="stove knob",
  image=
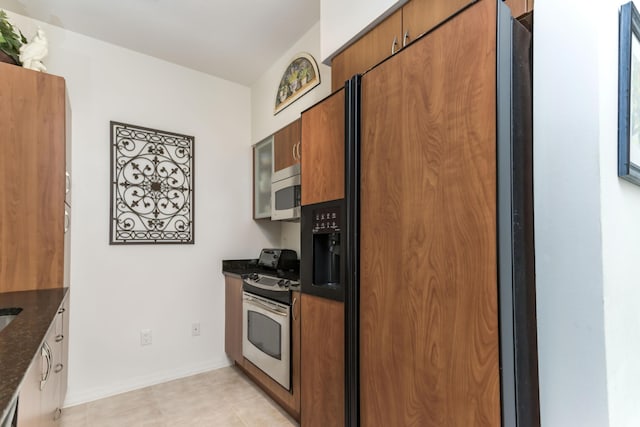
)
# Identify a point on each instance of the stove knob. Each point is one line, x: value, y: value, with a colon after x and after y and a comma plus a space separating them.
x: 283, y: 283
x: 253, y: 276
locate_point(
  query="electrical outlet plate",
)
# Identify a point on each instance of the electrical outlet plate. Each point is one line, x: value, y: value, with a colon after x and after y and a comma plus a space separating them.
x: 145, y: 337
x: 195, y: 329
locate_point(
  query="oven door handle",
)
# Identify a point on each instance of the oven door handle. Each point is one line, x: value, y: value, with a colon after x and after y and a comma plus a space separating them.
x: 266, y: 306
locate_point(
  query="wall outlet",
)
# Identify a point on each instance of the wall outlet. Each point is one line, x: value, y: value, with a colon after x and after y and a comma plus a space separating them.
x: 195, y: 329
x: 145, y: 337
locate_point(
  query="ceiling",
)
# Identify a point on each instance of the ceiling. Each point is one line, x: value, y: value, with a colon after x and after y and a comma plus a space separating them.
x: 236, y: 40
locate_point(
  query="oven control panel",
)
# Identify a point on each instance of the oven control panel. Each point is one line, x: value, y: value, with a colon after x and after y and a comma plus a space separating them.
x: 326, y: 220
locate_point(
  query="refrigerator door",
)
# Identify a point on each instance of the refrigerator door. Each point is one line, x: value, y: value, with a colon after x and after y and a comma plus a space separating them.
x: 422, y: 220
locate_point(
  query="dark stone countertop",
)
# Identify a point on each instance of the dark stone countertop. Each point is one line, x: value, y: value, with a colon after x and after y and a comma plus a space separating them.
x: 20, y: 341
x: 240, y: 267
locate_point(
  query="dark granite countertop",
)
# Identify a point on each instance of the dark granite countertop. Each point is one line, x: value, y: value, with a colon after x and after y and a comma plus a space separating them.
x: 242, y: 267
x: 20, y: 341
x: 239, y: 266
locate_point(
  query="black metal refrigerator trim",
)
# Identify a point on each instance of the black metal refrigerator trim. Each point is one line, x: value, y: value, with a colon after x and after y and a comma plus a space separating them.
x: 352, y: 250
x: 516, y: 278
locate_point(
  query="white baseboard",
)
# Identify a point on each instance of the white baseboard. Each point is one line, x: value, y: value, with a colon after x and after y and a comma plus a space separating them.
x: 77, y: 398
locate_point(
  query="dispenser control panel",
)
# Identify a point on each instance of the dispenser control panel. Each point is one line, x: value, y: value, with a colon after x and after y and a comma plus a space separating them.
x: 326, y: 220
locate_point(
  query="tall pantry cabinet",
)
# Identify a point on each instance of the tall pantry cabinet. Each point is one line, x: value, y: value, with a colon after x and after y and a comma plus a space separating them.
x: 33, y: 181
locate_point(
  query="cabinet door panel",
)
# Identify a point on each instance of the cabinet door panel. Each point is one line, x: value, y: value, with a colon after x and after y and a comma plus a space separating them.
x: 233, y: 318
x: 296, y: 321
x: 518, y: 7
x: 369, y: 50
x: 262, y: 172
x: 429, y: 354
x: 420, y: 16
x: 322, y: 362
x: 29, y: 414
x: 32, y: 172
x: 285, y: 149
x: 322, y: 168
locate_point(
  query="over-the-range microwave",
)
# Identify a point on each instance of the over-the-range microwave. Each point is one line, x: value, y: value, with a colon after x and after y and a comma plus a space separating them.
x: 285, y: 193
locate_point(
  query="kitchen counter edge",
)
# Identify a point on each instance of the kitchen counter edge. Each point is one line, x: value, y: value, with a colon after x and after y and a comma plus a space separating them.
x: 21, y: 340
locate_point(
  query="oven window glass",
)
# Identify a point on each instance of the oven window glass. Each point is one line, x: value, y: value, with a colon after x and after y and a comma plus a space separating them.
x: 265, y: 334
x: 288, y: 198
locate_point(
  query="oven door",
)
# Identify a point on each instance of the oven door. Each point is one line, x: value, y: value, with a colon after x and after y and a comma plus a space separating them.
x: 285, y: 198
x: 266, y: 339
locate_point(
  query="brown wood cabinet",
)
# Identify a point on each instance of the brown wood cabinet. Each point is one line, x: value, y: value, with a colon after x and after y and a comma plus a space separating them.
x: 286, y: 146
x: 519, y: 7
x: 429, y: 354
x: 233, y: 318
x: 32, y: 172
x: 322, y: 168
x: 398, y: 30
x: 262, y: 174
x: 369, y: 50
x: 322, y: 361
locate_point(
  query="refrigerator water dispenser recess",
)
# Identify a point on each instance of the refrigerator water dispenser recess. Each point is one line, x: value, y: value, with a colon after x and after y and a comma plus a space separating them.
x: 321, y: 265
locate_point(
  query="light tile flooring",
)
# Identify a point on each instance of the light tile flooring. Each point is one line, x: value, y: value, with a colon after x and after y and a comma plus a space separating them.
x: 224, y: 397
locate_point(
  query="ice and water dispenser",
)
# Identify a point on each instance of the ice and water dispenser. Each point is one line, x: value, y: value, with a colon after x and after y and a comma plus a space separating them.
x: 321, y: 258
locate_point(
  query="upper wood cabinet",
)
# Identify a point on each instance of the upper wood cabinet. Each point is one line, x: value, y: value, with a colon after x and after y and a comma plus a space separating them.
x: 391, y: 35
x: 519, y: 7
x: 369, y: 50
x: 286, y: 146
x: 32, y: 172
x: 262, y: 172
x: 322, y: 168
x: 420, y: 16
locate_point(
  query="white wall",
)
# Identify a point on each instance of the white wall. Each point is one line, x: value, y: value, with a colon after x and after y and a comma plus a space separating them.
x: 118, y: 290
x: 263, y: 91
x: 620, y: 210
x: 587, y: 231
x: 264, y: 123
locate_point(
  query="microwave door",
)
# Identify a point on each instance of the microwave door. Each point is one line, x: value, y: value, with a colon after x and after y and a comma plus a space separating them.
x: 285, y: 198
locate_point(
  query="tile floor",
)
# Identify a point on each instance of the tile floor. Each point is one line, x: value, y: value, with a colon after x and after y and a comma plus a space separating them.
x: 224, y: 397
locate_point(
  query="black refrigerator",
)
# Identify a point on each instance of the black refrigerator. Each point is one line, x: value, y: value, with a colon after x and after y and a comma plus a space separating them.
x: 437, y: 230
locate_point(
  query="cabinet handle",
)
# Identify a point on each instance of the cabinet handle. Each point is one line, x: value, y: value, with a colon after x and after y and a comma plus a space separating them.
x: 67, y: 221
x: 298, y: 150
x: 405, y: 38
x: 293, y: 308
x: 57, y: 414
x: 59, y: 368
x: 394, y: 44
x: 46, y: 353
x: 62, y: 310
x: 293, y: 151
x: 59, y: 338
x: 67, y: 183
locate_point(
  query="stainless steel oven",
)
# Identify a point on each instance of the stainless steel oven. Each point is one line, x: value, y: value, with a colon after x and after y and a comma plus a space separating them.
x: 266, y: 336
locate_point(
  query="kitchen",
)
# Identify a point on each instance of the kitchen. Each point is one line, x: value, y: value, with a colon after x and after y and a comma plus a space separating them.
x: 114, y: 280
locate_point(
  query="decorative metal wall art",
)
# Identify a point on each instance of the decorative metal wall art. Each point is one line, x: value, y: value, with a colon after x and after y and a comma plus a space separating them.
x: 629, y: 94
x: 300, y: 77
x: 152, y: 194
